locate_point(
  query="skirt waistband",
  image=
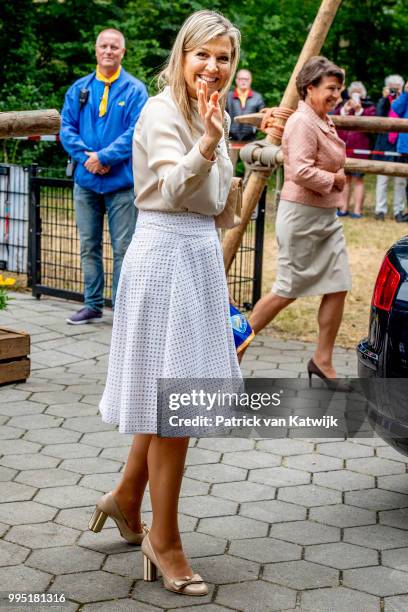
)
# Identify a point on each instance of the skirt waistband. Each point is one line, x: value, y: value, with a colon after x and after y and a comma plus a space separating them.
x: 179, y: 223
x: 308, y: 210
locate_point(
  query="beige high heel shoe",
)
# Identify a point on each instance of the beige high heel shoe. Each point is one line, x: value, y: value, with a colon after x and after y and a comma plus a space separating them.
x: 107, y: 506
x: 187, y: 585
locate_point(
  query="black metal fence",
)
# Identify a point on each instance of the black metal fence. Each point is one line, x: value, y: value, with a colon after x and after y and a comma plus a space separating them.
x: 245, y: 275
x: 14, y: 194
x: 53, y: 261
x: 54, y: 266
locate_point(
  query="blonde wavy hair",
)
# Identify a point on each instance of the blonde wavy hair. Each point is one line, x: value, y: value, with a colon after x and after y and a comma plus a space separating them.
x: 198, y: 29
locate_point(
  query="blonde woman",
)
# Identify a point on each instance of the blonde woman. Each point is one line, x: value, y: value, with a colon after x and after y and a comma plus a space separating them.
x: 172, y: 313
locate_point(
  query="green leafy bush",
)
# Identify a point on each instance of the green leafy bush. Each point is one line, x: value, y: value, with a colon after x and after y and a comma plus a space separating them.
x: 45, y: 45
x: 4, y: 299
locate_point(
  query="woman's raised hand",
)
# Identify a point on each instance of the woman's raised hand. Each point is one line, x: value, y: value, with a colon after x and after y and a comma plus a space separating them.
x: 210, y: 112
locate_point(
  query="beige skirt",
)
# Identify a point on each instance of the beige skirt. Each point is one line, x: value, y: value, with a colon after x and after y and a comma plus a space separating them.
x: 312, y: 255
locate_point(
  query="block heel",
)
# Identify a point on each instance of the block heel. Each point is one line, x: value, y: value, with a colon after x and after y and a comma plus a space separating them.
x: 185, y: 585
x: 149, y: 570
x: 97, y: 521
x: 107, y: 506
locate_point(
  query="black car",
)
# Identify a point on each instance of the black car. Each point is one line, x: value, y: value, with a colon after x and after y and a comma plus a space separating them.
x: 384, y: 353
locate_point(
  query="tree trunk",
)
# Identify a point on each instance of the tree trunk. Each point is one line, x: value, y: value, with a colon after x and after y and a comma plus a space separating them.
x: 257, y: 181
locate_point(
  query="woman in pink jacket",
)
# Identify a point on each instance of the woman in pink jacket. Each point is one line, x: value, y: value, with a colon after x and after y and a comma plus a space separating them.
x: 312, y: 256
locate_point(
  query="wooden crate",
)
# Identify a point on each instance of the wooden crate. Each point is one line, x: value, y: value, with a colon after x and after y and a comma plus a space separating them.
x: 14, y: 348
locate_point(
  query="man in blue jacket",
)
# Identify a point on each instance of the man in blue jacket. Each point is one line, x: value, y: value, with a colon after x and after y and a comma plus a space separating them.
x: 400, y: 106
x: 98, y: 119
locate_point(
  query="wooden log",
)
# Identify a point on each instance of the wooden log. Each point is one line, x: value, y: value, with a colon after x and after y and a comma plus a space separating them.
x: 356, y: 124
x: 257, y: 180
x: 352, y: 164
x: 370, y: 124
x: 250, y: 119
x: 29, y: 123
x: 370, y: 166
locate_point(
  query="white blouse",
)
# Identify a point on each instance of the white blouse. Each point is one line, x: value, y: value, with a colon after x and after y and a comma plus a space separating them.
x: 170, y: 173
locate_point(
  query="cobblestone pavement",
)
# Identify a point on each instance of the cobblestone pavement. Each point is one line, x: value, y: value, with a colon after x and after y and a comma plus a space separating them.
x: 272, y: 525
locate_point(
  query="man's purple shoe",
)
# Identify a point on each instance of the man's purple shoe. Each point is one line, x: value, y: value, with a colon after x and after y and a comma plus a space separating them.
x: 85, y: 315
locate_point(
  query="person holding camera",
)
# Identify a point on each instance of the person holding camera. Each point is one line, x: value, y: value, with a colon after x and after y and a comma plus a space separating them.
x: 98, y: 119
x: 359, y: 105
x: 393, y: 86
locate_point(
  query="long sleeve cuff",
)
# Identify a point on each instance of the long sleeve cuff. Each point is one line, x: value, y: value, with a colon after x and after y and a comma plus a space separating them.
x: 81, y: 157
x: 196, y: 162
x: 329, y: 185
x: 102, y: 158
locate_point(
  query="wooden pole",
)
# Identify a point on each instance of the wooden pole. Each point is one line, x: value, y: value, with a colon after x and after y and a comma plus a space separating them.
x: 254, y: 119
x: 376, y: 167
x: 352, y: 164
x: 370, y: 124
x: 356, y: 124
x: 29, y: 123
x: 257, y: 180
x: 273, y: 155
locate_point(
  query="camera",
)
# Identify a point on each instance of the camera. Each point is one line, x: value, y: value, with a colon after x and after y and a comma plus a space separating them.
x: 83, y: 97
x: 393, y: 92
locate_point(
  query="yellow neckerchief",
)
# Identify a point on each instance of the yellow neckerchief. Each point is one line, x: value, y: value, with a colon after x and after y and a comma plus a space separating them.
x: 108, y: 82
x: 242, y: 95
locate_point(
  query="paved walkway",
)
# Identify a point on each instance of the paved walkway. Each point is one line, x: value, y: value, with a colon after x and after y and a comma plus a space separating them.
x: 272, y: 525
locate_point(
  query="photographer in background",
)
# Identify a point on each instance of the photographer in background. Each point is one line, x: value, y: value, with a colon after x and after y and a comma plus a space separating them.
x: 359, y: 105
x: 393, y: 86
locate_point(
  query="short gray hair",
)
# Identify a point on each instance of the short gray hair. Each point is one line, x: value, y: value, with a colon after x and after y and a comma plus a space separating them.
x: 113, y: 31
x: 394, y: 78
x: 357, y: 85
x: 244, y: 70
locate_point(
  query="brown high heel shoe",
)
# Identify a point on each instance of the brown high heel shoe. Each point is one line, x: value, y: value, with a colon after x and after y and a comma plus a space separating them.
x: 107, y: 506
x: 331, y: 383
x: 187, y: 585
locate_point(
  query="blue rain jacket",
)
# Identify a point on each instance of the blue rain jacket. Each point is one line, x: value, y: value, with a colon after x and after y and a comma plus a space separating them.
x: 400, y: 106
x: 109, y: 136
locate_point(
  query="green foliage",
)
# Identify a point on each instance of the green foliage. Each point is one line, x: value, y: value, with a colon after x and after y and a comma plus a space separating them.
x: 4, y: 299
x: 369, y: 39
x: 272, y: 38
x: 47, y: 44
